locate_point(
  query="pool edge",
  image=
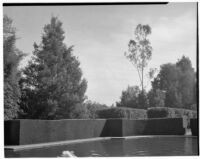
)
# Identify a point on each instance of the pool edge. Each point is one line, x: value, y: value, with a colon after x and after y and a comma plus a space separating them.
x: 50, y: 144
x: 67, y: 142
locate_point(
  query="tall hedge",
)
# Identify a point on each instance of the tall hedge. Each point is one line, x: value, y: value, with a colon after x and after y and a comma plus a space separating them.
x: 119, y: 112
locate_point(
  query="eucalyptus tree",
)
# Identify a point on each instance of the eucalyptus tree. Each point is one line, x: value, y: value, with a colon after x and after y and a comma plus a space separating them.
x: 140, y: 51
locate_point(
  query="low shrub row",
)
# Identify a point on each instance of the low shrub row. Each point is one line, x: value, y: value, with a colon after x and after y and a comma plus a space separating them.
x: 160, y: 112
x: 177, y: 113
x: 153, y: 112
x: 122, y: 112
x: 157, y: 112
x: 164, y: 112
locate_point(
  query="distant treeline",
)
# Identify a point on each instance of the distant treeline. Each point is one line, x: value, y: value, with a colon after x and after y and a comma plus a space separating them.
x: 175, y: 86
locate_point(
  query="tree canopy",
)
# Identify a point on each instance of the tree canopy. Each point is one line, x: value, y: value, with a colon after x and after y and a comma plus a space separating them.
x: 11, y: 57
x: 133, y: 97
x: 178, y: 81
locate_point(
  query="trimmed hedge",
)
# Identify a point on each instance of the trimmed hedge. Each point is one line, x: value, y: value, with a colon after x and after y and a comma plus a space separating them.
x: 171, y: 112
x: 177, y: 113
x: 129, y: 127
x: 194, y: 126
x: 122, y: 112
x: 164, y: 126
x: 153, y: 112
x: 19, y: 132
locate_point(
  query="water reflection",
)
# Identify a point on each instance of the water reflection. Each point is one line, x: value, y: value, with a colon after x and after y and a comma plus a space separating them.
x: 159, y: 146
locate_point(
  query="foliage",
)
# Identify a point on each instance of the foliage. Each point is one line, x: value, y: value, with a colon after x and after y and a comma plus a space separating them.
x: 11, y: 57
x: 179, y: 82
x: 132, y: 97
x: 187, y: 82
x: 193, y: 106
x: 79, y: 111
x: 157, y: 112
x: 129, y: 97
x: 52, y: 83
x: 93, y: 107
x: 121, y: 112
x: 140, y: 50
x: 156, y: 98
x: 143, y: 102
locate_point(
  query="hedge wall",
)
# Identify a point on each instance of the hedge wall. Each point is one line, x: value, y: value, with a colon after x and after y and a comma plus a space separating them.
x: 164, y: 126
x: 122, y: 112
x: 194, y: 126
x: 19, y: 132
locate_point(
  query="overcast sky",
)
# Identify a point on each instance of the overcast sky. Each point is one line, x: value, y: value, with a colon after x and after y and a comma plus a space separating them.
x: 100, y: 35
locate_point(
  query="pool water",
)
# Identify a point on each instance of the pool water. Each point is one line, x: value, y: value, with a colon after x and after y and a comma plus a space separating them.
x: 119, y: 147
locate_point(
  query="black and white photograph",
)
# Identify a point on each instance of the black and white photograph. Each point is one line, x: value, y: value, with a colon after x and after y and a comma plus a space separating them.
x: 100, y: 79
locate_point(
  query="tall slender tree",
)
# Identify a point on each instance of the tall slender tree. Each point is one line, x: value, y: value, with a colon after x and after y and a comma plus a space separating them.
x: 140, y: 51
x: 52, y: 84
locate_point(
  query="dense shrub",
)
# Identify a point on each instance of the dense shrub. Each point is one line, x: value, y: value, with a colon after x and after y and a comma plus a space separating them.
x: 79, y: 111
x: 157, y: 112
x: 93, y: 107
x: 133, y: 97
x: 156, y: 98
x: 119, y: 112
x: 194, y: 106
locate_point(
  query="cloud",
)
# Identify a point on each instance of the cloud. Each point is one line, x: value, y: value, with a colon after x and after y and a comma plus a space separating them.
x: 173, y: 37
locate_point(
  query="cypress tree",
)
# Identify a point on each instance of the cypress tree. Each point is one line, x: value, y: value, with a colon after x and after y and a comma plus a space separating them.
x: 52, y: 85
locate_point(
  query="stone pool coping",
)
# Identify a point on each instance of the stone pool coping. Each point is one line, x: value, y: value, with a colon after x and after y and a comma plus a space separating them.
x: 60, y: 143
